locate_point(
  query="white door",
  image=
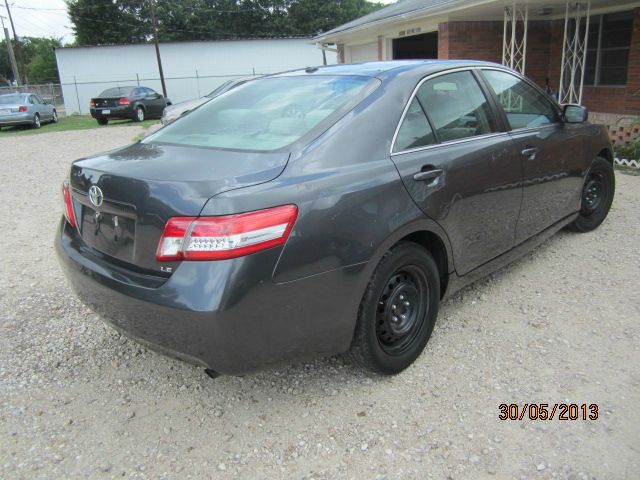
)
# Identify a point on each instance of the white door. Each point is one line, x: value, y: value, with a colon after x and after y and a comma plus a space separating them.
x: 363, y: 53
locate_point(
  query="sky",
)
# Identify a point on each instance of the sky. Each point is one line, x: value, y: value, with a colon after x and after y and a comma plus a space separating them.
x: 47, y: 18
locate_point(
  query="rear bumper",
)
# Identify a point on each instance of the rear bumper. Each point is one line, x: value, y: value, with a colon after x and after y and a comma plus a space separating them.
x: 114, y: 112
x: 16, y: 119
x: 228, y: 315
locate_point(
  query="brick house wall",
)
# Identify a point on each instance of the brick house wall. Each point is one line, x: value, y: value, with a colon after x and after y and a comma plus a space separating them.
x: 483, y: 41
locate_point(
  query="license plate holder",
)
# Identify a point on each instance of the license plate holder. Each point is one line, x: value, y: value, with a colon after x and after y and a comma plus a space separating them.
x: 109, y: 233
x: 5, y: 111
x: 106, y: 112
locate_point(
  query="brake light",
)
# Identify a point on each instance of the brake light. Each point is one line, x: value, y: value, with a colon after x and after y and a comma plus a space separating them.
x: 124, y: 101
x: 22, y: 108
x: 68, y: 205
x: 224, y: 237
x: 93, y: 102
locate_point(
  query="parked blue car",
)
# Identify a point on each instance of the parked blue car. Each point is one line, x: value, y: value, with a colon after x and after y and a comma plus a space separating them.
x: 25, y: 109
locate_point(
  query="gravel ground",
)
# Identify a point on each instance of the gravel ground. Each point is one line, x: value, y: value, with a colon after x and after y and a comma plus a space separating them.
x: 77, y: 400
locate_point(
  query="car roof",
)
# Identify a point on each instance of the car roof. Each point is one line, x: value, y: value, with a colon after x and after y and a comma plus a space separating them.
x: 380, y: 69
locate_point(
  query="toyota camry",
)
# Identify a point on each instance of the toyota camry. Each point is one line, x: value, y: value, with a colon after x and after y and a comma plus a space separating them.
x: 327, y: 210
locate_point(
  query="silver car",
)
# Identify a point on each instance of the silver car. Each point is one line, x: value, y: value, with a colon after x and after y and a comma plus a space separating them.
x: 173, y: 112
x: 25, y: 109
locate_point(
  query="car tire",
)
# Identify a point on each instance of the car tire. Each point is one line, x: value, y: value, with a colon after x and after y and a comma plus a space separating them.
x: 139, y: 114
x: 54, y: 117
x: 36, y: 121
x: 398, y: 310
x: 597, y: 196
x: 102, y: 120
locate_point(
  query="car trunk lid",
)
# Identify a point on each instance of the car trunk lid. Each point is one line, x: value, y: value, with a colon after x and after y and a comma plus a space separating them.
x: 102, y: 102
x: 123, y: 199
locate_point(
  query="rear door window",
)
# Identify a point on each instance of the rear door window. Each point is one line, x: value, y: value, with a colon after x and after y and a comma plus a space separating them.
x: 415, y: 131
x: 456, y: 106
x: 524, y: 106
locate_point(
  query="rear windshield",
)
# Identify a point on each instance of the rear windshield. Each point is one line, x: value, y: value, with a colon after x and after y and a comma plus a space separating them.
x: 11, y: 99
x: 265, y: 114
x: 118, y: 91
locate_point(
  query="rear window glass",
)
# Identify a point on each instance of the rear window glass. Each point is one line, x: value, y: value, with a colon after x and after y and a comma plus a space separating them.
x: 11, y: 99
x: 265, y: 114
x: 114, y: 92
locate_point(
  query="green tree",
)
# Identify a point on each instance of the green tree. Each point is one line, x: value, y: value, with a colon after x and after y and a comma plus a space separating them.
x: 312, y: 17
x: 109, y: 22
x: 100, y: 22
x: 39, y: 57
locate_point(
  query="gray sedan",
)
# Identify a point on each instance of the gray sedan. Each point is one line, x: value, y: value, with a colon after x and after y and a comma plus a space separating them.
x: 25, y: 109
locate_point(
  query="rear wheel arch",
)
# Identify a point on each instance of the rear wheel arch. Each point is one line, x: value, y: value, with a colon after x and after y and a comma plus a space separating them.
x: 432, y: 242
x: 606, y: 154
x: 429, y: 236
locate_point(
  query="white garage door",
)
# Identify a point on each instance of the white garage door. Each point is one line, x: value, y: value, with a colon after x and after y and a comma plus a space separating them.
x: 364, y: 53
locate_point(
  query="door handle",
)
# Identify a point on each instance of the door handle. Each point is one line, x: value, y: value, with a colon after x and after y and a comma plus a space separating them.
x: 530, y: 153
x: 428, y: 175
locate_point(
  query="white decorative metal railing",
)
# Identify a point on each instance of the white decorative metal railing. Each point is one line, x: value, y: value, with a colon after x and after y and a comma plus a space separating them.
x: 574, y: 52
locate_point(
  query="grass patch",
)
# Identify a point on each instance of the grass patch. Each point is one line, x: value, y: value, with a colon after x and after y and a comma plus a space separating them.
x: 73, y: 122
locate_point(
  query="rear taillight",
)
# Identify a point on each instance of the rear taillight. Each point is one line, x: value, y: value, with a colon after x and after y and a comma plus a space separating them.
x: 221, y: 238
x: 93, y: 102
x: 23, y: 108
x: 68, y: 205
x: 124, y: 101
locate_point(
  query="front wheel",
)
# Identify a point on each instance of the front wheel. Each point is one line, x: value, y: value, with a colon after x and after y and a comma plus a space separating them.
x: 597, y: 196
x: 398, y: 310
x: 54, y: 117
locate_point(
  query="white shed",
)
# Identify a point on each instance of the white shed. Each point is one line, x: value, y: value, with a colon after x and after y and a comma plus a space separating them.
x: 191, y: 69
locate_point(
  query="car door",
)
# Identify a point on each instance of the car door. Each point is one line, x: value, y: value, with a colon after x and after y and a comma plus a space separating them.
x: 46, y: 113
x: 551, y: 152
x: 459, y: 165
x: 154, y: 101
x: 33, y: 105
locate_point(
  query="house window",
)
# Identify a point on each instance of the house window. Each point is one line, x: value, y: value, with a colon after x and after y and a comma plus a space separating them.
x: 608, y: 48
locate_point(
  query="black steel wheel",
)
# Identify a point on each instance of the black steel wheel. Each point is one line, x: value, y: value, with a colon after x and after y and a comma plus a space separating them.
x: 597, y: 196
x: 398, y: 310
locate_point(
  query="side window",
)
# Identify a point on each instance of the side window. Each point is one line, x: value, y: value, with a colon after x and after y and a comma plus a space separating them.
x: 39, y: 99
x: 415, y: 131
x: 456, y: 106
x: 524, y: 105
x: 31, y: 100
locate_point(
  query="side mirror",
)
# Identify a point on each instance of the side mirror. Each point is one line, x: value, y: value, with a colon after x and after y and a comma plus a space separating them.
x: 575, y: 113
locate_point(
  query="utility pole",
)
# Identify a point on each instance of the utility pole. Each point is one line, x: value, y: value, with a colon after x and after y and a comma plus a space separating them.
x: 154, y: 25
x: 15, y: 39
x: 12, y: 58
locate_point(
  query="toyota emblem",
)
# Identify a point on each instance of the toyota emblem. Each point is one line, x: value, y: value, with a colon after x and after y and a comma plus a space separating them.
x: 96, y: 196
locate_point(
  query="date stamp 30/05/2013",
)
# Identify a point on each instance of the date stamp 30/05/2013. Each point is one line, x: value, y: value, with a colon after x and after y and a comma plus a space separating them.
x: 548, y: 411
